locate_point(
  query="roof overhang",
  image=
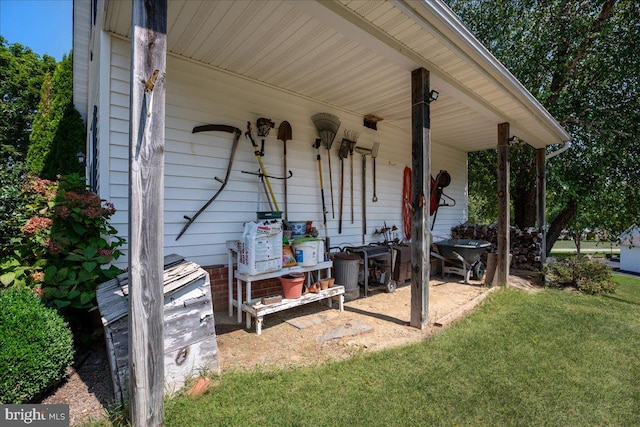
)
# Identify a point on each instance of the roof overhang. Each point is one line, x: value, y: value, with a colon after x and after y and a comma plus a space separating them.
x: 357, y: 56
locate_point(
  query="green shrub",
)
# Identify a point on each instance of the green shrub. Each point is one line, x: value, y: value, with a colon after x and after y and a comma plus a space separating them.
x: 579, y: 272
x: 67, y: 243
x: 36, y: 346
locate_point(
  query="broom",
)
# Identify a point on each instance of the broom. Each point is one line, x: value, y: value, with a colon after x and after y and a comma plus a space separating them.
x: 327, y: 125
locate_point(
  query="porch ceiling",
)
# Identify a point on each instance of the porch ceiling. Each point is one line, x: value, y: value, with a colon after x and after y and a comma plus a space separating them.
x: 358, y: 56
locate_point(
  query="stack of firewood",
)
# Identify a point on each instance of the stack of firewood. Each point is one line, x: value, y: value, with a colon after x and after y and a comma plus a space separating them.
x: 526, y: 245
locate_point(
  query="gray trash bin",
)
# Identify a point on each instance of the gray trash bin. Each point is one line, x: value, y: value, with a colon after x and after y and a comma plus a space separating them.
x: 346, y: 267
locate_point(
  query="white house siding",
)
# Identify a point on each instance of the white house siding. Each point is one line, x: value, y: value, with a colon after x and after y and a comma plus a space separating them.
x: 197, y: 95
x: 81, y: 19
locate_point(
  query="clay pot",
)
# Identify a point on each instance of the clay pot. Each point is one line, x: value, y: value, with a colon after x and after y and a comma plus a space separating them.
x: 292, y: 285
x: 327, y: 283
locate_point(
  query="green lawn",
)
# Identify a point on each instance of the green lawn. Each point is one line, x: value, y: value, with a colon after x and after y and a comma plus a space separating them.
x: 587, y: 247
x: 552, y: 358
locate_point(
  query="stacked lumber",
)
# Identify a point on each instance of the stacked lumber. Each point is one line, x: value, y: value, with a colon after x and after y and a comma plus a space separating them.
x: 526, y: 245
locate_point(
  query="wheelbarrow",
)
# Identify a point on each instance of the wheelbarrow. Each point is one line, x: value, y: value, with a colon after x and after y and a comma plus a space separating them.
x: 462, y: 257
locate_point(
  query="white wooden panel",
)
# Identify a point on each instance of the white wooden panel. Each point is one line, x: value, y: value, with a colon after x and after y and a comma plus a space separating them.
x: 197, y: 95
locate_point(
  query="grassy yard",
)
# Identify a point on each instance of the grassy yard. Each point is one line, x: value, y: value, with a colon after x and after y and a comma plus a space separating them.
x: 589, y: 247
x: 553, y: 358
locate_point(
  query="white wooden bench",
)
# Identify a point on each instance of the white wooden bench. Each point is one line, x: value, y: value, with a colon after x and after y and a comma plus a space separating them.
x: 257, y: 310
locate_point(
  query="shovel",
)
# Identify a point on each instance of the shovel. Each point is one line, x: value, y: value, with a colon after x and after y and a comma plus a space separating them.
x: 284, y: 134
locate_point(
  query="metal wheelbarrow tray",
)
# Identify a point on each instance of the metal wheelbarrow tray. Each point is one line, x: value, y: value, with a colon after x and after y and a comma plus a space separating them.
x: 462, y: 257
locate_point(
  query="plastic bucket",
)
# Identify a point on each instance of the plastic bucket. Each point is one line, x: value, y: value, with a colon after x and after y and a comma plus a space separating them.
x: 292, y: 285
x: 346, y: 268
x: 306, y: 252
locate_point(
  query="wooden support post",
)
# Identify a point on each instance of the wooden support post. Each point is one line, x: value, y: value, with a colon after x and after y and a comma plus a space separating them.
x: 504, y: 247
x: 541, y: 193
x: 421, y: 173
x: 146, y: 200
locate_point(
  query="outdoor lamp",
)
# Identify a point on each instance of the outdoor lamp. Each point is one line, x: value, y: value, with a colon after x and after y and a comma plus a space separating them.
x: 82, y: 158
x: 433, y: 95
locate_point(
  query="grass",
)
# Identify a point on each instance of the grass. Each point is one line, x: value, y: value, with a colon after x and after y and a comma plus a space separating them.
x: 586, y: 246
x: 549, y: 358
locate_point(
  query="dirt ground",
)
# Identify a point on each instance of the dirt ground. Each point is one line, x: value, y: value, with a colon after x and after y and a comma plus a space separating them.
x: 303, y: 336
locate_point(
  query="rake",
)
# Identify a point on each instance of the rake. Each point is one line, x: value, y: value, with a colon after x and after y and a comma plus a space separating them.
x: 364, y: 152
x: 327, y: 125
x: 352, y: 136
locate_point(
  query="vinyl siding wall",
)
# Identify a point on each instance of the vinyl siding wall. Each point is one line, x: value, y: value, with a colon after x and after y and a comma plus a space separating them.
x: 197, y: 95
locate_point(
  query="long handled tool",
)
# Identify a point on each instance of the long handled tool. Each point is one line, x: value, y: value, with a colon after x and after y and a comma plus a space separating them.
x: 374, y: 154
x: 353, y: 141
x: 342, y: 153
x: 327, y: 125
x: 284, y: 134
x: 259, y: 153
x: 218, y: 128
x: 364, y: 152
x: 316, y: 145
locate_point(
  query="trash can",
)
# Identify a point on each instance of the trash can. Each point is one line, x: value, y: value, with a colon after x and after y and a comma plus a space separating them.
x: 346, y: 267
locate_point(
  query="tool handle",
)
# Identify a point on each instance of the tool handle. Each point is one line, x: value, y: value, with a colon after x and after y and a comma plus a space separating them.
x: 375, y: 198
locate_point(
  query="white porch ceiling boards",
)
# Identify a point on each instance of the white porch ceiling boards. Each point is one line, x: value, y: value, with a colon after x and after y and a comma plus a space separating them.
x: 358, y: 56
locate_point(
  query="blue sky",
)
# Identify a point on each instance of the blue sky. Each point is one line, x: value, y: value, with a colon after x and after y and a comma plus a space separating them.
x: 43, y: 25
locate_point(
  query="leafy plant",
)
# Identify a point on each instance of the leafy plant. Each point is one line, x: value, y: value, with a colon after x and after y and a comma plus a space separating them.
x: 579, y: 272
x: 67, y: 244
x: 36, y: 346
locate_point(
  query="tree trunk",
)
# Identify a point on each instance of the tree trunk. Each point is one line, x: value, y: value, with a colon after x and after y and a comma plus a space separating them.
x: 559, y: 223
x: 524, y: 207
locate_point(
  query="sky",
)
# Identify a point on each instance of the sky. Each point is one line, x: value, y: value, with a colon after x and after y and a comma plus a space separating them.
x: 45, y: 26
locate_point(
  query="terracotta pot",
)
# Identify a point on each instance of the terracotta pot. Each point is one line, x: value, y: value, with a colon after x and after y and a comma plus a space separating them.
x: 327, y: 283
x: 292, y: 285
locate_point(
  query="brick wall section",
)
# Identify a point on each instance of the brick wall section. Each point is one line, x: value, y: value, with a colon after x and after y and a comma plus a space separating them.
x: 219, y: 286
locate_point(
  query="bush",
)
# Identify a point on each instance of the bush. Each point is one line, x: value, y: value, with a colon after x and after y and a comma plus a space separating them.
x: 36, y: 346
x: 579, y: 272
x: 66, y: 245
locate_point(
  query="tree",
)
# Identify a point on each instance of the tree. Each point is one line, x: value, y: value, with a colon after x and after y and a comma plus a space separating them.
x: 21, y: 76
x: 581, y: 61
x: 58, y: 130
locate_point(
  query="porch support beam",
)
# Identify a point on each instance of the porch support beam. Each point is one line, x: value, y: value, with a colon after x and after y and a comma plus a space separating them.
x: 502, y: 270
x: 541, y: 194
x: 421, y: 173
x: 146, y: 218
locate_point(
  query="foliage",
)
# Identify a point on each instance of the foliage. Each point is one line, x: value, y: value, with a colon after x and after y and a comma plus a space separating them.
x: 12, y: 206
x: 66, y: 244
x: 579, y: 272
x: 36, y: 346
x: 58, y: 129
x: 578, y: 59
x: 21, y: 76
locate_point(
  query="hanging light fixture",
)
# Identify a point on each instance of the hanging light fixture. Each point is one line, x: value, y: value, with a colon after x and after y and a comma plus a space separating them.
x: 82, y: 158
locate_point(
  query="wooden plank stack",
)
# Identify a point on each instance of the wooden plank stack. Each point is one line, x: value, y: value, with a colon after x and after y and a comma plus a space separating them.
x: 526, y: 245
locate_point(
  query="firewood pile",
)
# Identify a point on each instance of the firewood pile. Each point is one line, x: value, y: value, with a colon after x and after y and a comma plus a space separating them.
x: 526, y: 245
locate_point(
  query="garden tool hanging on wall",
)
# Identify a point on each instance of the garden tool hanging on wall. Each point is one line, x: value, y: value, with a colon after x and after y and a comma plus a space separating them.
x: 264, y: 125
x: 285, y: 134
x: 442, y: 180
x: 316, y: 145
x: 364, y: 152
x: 217, y: 128
x: 343, y: 152
x: 327, y: 125
x: 374, y: 154
x: 353, y: 139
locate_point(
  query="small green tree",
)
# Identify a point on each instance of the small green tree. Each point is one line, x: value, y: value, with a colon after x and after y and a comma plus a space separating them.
x: 21, y: 76
x: 58, y: 130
